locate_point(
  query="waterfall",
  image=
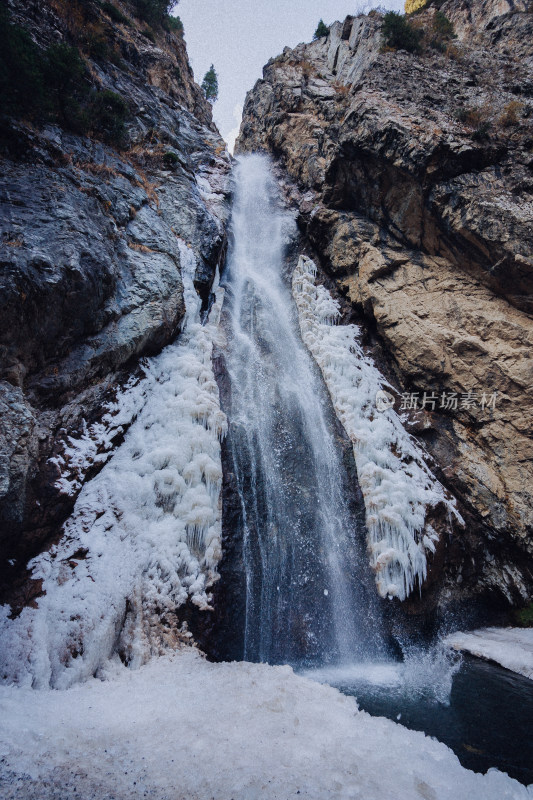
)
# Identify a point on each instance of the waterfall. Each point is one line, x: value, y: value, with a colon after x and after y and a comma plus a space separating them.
x: 144, y: 538
x: 307, y: 597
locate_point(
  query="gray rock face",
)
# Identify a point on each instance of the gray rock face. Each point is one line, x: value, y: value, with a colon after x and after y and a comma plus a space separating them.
x: 18, y: 443
x: 414, y: 186
x: 90, y: 273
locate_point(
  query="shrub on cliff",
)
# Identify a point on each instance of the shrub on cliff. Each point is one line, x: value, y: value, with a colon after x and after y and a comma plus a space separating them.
x: 108, y: 112
x: 115, y: 13
x: 66, y: 87
x: 39, y: 84
x: 95, y: 42
x: 399, y: 34
x: 477, y: 119
x: 21, y: 74
x: 321, y: 30
x: 154, y: 12
x: 511, y: 114
x: 173, y: 25
x: 414, y: 5
x: 442, y: 32
x: 54, y: 84
x: 443, y: 26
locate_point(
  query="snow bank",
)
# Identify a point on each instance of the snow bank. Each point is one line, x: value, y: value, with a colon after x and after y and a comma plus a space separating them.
x: 397, y: 485
x: 512, y: 648
x: 181, y: 727
x: 145, y: 534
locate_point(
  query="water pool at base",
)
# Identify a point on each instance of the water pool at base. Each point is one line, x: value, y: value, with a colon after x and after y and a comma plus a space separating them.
x: 487, y: 719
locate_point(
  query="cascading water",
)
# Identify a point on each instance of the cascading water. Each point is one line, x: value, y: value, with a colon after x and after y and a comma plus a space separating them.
x: 307, y: 598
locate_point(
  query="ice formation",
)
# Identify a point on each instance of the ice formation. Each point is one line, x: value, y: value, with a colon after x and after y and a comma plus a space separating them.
x: 397, y: 485
x: 145, y: 534
x: 95, y: 445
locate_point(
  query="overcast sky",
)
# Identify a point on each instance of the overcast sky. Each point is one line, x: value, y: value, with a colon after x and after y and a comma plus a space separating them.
x: 239, y: 36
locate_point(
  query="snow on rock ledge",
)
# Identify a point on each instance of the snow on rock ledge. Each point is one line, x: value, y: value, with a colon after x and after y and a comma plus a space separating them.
x: 145, y: 534
x: 512, y: 648
x: 97, y: 442
x: 181, y: 727
x: 397, y: 485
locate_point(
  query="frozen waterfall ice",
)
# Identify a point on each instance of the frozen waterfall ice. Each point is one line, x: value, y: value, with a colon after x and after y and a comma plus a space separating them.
x: 398, y: 487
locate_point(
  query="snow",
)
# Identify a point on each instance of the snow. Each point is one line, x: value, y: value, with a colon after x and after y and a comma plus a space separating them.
x: 145, y: 534
x: 512, y: 648
x: 180, y: 727
x: 97, y: 442
x: 398, y: 486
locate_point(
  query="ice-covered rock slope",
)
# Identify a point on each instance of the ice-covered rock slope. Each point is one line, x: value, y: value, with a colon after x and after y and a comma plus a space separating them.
x: 180, y: 728
x: 398, y: 487
x: 91, y: 279
x: 145, y: 533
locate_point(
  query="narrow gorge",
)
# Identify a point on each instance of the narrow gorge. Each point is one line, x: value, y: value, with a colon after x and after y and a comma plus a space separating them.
x: 265, y: 419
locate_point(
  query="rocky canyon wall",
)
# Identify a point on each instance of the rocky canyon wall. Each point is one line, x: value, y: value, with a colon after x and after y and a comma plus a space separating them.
x: 413, y: 178
x: 91, y: 216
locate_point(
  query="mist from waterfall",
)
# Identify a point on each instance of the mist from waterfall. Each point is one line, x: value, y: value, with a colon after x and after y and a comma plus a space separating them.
x: 308, y: 594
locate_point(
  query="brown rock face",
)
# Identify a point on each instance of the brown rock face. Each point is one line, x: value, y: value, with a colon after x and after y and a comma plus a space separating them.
x: 414, y: 178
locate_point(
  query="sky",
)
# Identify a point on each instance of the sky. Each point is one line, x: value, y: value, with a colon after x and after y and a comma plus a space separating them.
x: 239, y: 37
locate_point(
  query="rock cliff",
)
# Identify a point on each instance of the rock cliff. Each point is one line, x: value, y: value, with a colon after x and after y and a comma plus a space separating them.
x: 91, y: 211
x: 413, y: 177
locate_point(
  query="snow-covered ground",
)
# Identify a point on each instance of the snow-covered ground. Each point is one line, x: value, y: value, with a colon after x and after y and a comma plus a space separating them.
x: 180, y: 728
x: 512, y: 648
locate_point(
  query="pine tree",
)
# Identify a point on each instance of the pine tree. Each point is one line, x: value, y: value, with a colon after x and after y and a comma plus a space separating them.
x: 321, y: 30
x: 210, y: 84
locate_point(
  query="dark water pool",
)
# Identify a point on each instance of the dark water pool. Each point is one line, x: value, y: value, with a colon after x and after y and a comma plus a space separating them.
x: 487, y: 723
